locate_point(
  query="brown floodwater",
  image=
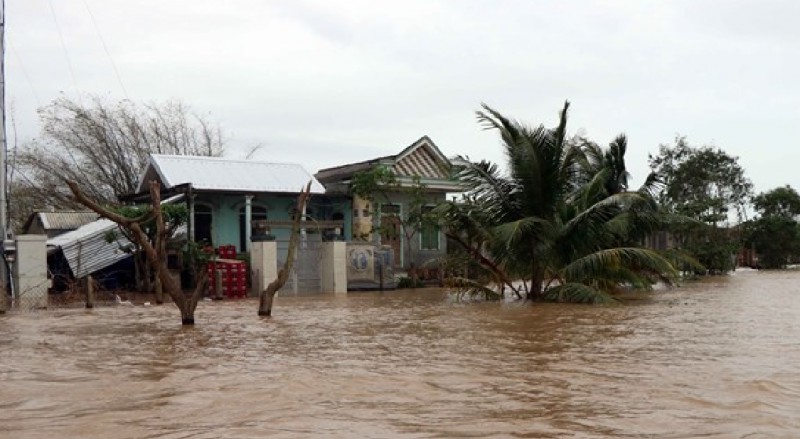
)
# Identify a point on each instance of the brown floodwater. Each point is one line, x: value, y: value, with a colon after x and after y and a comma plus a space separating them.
x: 719, y: 358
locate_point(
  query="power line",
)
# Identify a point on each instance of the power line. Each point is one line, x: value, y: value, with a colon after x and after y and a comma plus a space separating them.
x: 25, y: 73
x: 105, y: 48
x: 66, y: 54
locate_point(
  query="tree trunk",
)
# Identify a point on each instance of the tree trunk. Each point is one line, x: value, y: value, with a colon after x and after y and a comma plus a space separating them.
x: 537, y: 279
x: 268, y: 295
x: 265, y: 304
x: 89, y: 292
x: 413, y: 274
x: 159, y: 290
x: 156, y: 255
x: 147, y: 276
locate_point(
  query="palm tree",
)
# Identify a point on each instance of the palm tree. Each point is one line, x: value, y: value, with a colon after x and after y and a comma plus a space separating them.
x: 553, y: 228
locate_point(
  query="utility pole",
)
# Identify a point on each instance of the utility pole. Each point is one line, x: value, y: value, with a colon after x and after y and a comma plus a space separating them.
x: 3, y: 160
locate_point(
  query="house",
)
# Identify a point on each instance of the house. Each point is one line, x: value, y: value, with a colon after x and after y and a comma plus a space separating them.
x: 52, y: 223
x: 227, y: 197
x: 421, y: 165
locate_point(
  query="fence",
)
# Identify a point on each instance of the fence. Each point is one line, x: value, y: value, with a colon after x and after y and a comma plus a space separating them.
x: 76, y: 295
x: 305, y: 276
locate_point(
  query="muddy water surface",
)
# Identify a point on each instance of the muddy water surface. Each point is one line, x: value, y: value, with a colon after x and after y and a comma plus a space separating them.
x: 715, y: 359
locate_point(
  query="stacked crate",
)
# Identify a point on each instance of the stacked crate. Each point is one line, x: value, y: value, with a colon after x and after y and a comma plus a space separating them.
x: 233, y: 273
x: 227, y: 251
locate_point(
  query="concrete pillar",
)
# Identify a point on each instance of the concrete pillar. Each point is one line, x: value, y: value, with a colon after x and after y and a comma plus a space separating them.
x: 30, y: 271
x: 248, y: 221
x: 263, y: 264
x: 362, y: 219
x: 333, y: 267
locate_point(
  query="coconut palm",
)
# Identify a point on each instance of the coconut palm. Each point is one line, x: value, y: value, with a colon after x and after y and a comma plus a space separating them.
x: 555, y: 226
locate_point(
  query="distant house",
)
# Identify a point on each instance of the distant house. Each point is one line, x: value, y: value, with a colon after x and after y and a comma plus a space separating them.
x: 226, y: 197
x: 52, y: 223
x: 422, y: 159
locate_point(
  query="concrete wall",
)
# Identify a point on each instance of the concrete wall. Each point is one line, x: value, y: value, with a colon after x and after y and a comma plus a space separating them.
x: 225, y: 212
x: 30, y: 271
x: 333, y: 267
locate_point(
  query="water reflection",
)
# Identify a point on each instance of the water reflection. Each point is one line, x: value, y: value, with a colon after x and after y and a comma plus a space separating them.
x: 712, y: 359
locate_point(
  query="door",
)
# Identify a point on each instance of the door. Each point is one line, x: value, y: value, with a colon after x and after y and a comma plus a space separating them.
x: 203, y: 218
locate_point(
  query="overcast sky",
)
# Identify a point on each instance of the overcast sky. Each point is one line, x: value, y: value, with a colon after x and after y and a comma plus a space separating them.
x: 325, y: 83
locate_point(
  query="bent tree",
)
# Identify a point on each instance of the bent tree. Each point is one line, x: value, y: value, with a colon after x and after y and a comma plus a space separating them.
x: 560, y: 224
x: 267, y: 296
x: 156, y: 251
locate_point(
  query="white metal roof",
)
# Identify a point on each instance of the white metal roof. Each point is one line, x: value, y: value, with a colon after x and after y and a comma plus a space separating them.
x: 222, y: 174
x: 87, y: 250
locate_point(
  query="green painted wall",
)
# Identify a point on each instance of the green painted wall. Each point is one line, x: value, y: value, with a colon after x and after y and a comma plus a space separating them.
x: 225, y: 228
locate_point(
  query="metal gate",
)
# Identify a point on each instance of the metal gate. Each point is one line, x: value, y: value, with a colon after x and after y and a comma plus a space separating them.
x: 305, y: 275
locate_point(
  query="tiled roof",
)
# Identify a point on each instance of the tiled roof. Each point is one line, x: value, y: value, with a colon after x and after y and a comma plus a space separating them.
x: 420, y: 159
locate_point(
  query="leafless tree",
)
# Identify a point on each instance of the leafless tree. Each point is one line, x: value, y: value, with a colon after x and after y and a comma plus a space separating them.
x: 104, y: 146
x: 156, y: 253
x: 268, y: 294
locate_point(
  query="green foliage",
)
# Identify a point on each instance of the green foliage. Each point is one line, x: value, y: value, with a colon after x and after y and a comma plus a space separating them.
x: 374, y: 182
x: 782, y: 201
x: 775, y: 235
x: 776, y: 240
x: 407, y: 282
x: 561, y: 225
x: 195, y: 258
x: 703, y: 183
x: 380, y: 185
x: 175, y: 215
x: 708, y: 185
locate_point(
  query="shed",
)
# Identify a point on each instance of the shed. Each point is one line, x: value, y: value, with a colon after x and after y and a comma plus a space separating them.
x: 54, y: 223
x: 87, y: 250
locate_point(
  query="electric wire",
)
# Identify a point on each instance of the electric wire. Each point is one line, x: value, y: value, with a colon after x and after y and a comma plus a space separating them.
x: 27, y: 76
x: 105, y: 48
x: 66, y: 53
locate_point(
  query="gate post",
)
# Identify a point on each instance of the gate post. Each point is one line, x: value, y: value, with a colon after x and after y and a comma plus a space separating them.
x: 30, y: 270
x: 333, y: 267
x: 263, y: 264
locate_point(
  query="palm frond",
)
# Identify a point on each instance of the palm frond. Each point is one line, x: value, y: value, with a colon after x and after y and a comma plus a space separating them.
x: 469, y: 288
x: 596, y: 264
x: 513, y: 232
x: 575, y: 292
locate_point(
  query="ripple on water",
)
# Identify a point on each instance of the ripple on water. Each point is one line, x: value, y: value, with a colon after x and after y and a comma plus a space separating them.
x: 710, y: 359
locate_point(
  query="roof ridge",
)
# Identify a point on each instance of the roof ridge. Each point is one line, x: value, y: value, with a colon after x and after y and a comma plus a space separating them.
x: 221, y: 159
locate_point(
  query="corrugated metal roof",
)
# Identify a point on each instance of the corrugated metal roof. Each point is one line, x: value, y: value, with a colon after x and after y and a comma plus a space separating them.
x: 215, y: 173
x: 65, y: 220
x: 87, y: 250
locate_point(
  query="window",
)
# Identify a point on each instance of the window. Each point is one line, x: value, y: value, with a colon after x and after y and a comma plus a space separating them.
x: 429, y: 232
